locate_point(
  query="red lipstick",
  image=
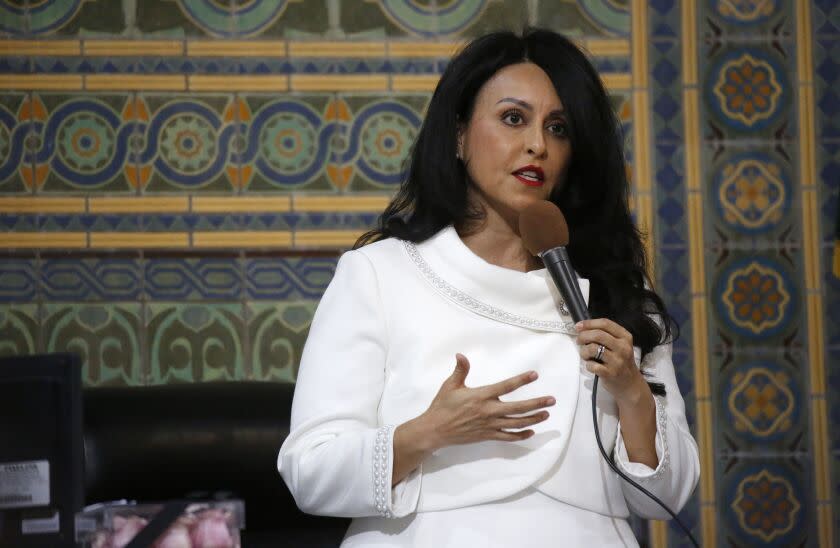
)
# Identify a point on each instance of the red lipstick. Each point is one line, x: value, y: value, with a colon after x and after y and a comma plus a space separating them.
x: 530, y: 175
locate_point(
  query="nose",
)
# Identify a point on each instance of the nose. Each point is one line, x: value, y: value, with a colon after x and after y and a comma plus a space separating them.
x: 536, y: 141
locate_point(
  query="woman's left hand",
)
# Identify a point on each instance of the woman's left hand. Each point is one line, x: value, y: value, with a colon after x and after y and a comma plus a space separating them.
x: 608, y: 350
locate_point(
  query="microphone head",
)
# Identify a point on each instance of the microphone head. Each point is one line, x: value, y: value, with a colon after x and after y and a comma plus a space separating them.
x: 543, y: 227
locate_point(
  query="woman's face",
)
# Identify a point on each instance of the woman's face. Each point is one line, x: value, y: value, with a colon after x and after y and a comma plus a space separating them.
x: 515, y: 145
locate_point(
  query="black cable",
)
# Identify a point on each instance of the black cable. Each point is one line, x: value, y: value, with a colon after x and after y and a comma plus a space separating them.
x: 624, y: 476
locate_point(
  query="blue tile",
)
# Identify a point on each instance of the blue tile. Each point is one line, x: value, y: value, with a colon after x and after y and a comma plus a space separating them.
x: 18, y: 280
x: 82, y: 280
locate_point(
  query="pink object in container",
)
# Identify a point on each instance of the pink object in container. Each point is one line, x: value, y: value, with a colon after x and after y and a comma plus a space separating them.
x: 213, y: 524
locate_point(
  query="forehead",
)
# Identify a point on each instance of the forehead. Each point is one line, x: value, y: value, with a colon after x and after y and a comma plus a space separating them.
x: 523, y: 81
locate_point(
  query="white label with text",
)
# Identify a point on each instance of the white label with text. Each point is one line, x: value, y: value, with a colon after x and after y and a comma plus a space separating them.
x: 24, y: 484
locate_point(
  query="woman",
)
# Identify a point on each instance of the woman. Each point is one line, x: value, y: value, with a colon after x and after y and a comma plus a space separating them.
x: 498, y: 450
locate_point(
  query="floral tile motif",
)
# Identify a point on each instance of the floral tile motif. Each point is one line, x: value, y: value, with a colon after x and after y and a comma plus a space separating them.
x: 767, y: 505
x: 762, y: 401
x: 752, y: 193
x: 747, y: 89
x: 756, y: 298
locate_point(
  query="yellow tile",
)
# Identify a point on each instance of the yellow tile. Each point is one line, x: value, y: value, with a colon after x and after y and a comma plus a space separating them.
x: 340, y: 203
x: 326, y: 238
x: 617, y: 82
x: 607, y: 47
x: 689, y: 42
x: 135, y: 240
x: 639, y: 61
x: 40, y: 47
x: 237, y: 204
x: 51, y: 82
x: 243, y: 239
x: 239, y: 82
x: 143, y: 82
x: 43, y: 240
x: 236, y: 48
x: 641, y: 140
x: 138, y: 204
x: 423, y: 49
x: 658, y: 534
x: 411, y: 82
x: 161, y: 48
x: 350, y: 82
x: 336, y: 49
x: 32, y: 204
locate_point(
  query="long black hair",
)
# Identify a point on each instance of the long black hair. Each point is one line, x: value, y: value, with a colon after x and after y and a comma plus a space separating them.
x: 605, y: 247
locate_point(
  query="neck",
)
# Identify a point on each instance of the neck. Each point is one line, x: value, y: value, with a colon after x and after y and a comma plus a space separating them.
x: 497, y: 241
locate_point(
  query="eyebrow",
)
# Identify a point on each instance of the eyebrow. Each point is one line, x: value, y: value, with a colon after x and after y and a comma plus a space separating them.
x: 527, y: 106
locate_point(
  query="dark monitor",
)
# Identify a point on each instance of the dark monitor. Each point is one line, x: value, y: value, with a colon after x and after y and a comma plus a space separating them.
x: 41, y: 450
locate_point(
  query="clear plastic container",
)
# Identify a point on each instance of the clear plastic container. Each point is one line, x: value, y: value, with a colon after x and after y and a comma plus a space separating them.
x: 212, y: 524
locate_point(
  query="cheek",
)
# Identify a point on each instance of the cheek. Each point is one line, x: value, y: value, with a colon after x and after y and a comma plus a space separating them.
x: 487, y: 144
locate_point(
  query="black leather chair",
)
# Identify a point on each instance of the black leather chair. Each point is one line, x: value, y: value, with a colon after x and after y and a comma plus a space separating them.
x: 204, y: 440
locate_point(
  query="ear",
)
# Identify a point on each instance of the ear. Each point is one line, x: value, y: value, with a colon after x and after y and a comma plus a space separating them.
x: 459, y: 143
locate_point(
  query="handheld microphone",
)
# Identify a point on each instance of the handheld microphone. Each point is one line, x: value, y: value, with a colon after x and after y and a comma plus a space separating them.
x: 545, y: 234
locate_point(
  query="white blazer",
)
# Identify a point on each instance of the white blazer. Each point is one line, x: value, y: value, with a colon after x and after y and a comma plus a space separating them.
x: 384, y: 339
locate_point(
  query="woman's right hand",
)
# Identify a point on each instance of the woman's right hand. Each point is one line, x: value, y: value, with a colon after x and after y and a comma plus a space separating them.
x: 460, y: 415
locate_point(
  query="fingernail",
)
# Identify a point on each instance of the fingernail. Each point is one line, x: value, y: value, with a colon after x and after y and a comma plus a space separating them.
x: 533, y: 375
x: 550, y: 401
x: 579, y: 326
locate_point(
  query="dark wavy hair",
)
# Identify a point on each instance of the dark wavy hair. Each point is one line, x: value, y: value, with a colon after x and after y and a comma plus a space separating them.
x: 605, y: 247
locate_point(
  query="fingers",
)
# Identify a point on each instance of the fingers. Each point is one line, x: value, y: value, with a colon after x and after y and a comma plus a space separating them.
x: 501, y: 435
x: 509, y: 385
x: 606, y: 325
x: 515, y: 423
x: 462, y: 368
x: 525, y: 406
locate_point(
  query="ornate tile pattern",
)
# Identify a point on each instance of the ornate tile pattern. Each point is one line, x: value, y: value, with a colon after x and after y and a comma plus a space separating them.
x: 177, y: 178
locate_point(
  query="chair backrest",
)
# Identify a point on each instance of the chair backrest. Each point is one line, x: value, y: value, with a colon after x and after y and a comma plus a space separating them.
x: 203, y: 439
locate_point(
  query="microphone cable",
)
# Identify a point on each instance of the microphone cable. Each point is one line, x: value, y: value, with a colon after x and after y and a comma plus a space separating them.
x: 623, y: 475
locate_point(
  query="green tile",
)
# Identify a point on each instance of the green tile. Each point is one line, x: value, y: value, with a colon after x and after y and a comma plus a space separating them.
x: 19, y: 326
x: 105, y: 335
x: 97, y: 17
x: 278, y: 332
x: 164, y: 18
x: 195, y: 342
x: 285, y: 19
x: 365, y: 19
x: 594, y: 18
x: 495, y: 16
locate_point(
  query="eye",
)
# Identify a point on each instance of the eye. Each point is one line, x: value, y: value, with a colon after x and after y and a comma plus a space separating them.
x: 513, y: 117
x: 560, y: 129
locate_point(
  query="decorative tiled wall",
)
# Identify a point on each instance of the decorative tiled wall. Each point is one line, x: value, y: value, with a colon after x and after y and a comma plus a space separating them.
x: 178, y: 177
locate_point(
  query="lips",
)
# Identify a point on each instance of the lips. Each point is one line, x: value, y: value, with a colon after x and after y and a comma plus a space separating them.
x: 530, y: 175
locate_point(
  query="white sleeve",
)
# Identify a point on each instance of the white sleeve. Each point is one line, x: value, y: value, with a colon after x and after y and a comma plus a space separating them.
x: 338, y: 459
x: 675, y: 477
